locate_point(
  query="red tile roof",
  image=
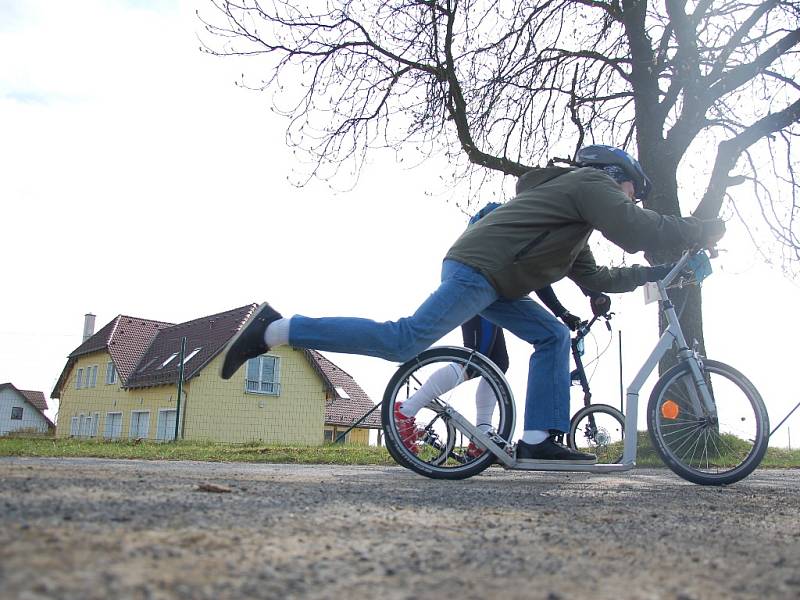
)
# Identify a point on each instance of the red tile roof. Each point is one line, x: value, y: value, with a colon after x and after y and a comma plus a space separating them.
x: 35, y: 398
x: 209, y: 334
x: 129, y: 340
x: 125, y: 338
x: 340, y: 410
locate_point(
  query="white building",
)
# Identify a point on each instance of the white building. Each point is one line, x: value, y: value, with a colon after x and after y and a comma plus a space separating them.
x: 22, y: 410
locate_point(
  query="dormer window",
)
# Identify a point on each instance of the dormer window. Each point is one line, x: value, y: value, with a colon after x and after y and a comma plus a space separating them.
x: 191, y: 354
x: 169, y: 360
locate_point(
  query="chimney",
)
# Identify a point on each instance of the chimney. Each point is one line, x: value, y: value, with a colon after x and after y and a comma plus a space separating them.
x: 88, y: 326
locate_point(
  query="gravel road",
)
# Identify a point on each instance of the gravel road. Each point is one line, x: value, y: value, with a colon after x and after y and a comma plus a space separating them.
x: 92, y: 528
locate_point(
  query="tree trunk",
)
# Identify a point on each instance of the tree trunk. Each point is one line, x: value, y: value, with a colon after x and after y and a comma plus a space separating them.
x: 688, y: 304
x: 661, y: 166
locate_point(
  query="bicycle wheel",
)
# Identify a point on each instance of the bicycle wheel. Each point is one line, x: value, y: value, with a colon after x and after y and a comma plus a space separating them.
x: 439, y: 447
x: 598, y: 429
x: 714, y: 449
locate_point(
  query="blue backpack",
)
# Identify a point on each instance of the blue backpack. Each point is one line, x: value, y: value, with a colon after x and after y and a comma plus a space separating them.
x: 483, y: 212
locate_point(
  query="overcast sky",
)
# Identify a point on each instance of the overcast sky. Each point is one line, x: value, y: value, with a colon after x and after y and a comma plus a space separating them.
x: 136, y: 179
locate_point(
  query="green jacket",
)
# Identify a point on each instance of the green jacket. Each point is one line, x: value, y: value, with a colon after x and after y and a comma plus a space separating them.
x: 540, y: 236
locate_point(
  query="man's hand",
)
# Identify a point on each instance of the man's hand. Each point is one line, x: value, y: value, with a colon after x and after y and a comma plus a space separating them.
x: 601, y: 304
x: 570, y: 320
x: 713, y: 230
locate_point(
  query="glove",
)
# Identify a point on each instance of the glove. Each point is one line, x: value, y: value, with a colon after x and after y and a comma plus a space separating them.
x: 601, y: 304
x: 657, y: 272
x: 713, y: 230
x: 570, y: 320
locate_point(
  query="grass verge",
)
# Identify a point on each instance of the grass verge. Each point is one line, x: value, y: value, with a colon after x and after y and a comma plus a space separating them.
x: 338, y: 454
x: 775, y: 458
x: 328, y: 454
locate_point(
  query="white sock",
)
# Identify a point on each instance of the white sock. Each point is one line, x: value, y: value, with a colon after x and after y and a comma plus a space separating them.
x: 534, y: 436
x: 442, y: 381
x: 484, y: 406
x: 277, y: 333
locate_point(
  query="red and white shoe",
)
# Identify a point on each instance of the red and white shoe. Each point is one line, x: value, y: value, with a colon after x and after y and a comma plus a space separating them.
x: 407, y: 428
x: 474, y: 451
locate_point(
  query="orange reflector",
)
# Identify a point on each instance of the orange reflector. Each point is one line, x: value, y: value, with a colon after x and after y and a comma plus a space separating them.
x: 670, y: 409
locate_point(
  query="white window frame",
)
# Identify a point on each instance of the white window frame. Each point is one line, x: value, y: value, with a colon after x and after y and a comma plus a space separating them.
x: 137, y: 413
x: 111, y: 373
x: 86, y: 426
x: 21, y: 413
x: 75, y: 427
x: 91, y: 376
x: 161, y: 422
x: 260, y: 386
x: 79, y: 379
x: 108, y: 432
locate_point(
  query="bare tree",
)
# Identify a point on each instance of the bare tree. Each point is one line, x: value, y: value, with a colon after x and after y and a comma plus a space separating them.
x: 502, y: 86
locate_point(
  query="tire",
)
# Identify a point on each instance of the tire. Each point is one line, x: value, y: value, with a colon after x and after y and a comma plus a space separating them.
x: 439, y: 448
x: 708, y: 450
x: 599, y: 429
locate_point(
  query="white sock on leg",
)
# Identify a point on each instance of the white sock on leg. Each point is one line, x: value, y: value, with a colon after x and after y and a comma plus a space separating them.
x: 277, y: 333
x: 534, y: 436
x: 484, y: 406
x: 443, y: 380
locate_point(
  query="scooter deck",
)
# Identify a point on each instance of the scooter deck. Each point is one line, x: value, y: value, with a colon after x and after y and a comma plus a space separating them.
x: 536, y: 465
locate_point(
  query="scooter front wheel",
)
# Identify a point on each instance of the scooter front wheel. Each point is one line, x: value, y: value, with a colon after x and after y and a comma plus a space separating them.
x: 710, y: 447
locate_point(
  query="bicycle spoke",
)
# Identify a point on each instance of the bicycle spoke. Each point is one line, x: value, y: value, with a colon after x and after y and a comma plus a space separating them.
x: 721, y: 447
x: 686, y: 439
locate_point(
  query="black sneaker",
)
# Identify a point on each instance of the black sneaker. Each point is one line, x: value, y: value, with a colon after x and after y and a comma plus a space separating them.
x: 552, y: 451
x: 249, y: 340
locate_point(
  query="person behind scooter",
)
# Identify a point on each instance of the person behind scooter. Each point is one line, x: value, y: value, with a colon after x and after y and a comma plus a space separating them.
x: 535, y: 239
x: 487, y: 338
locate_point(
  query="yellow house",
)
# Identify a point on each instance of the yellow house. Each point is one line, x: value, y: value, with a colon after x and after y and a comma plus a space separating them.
x: 122, y: 382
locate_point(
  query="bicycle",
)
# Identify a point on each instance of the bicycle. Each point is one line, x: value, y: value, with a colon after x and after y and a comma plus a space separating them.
x: 706, y: 420
x: 595, y: 428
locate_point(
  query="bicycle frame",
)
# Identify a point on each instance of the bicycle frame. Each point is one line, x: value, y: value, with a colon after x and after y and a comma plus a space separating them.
x: 579, y: 373
x: 673, y: 334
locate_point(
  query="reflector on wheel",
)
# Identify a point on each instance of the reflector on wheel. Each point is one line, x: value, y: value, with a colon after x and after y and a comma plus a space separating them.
x: 670, y: 409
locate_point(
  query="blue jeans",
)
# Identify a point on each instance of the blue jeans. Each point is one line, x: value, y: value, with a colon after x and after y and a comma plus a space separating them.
x: 463, y: 293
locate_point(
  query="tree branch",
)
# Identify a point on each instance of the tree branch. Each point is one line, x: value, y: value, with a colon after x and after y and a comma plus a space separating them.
x: 736, y: 39
x: 457, y: 107
x: 729, y: 151
x: 741, y: 74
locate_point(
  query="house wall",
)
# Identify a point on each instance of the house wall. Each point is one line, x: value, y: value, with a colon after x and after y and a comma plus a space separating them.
x: 222, y: 410
x: 212, y: 409
x: 32, y: 419
x: 109, y: 398
x: 358, y: 436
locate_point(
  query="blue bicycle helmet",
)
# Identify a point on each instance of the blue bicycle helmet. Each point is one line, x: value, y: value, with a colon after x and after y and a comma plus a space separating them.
x: 600, y: 156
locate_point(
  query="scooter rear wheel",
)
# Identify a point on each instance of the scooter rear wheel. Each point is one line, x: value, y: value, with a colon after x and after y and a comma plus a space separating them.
x: 439, y: 447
